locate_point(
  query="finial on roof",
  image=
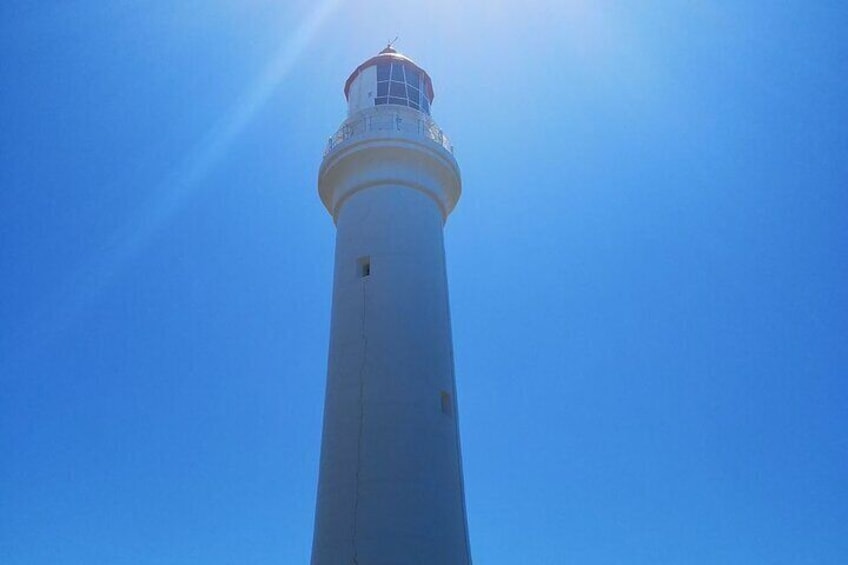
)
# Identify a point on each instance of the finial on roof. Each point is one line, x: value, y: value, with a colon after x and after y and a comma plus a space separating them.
x: 390, y: 46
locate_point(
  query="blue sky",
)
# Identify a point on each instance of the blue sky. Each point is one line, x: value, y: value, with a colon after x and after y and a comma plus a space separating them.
x: 647, y: 269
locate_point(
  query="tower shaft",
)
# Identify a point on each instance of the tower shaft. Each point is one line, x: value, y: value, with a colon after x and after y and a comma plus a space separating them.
x: 390, y: 480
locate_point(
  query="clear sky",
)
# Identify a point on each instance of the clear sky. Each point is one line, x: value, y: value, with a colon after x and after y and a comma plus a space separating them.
x: 648, y: 275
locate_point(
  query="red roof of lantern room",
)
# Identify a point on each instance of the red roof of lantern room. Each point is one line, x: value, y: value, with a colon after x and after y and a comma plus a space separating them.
x: 390, y: 55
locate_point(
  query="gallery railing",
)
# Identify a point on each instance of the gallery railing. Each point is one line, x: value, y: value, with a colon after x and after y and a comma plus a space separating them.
x: 389, y: 120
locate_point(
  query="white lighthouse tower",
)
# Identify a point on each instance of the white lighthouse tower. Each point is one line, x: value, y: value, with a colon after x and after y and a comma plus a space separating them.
x: 390, y: 489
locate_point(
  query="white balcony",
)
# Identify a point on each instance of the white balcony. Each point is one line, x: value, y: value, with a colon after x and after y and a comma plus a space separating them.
x: 389, y: 118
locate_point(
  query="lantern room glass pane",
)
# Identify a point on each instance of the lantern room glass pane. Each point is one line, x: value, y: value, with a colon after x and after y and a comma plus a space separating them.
x: 398, y: 83
x: 412, y: 77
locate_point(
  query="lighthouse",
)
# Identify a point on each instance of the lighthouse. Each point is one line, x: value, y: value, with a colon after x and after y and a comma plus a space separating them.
x: 390, y: 487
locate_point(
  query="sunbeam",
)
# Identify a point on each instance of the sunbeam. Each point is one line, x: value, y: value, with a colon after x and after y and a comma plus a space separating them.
x: 80, y: 288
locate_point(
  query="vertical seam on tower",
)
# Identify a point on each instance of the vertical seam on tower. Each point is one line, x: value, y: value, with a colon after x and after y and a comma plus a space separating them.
x: 361, y: 418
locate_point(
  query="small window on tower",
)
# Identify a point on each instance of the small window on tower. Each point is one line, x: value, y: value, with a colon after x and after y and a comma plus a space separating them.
x: 447, y: 406
x: 364, y: 266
